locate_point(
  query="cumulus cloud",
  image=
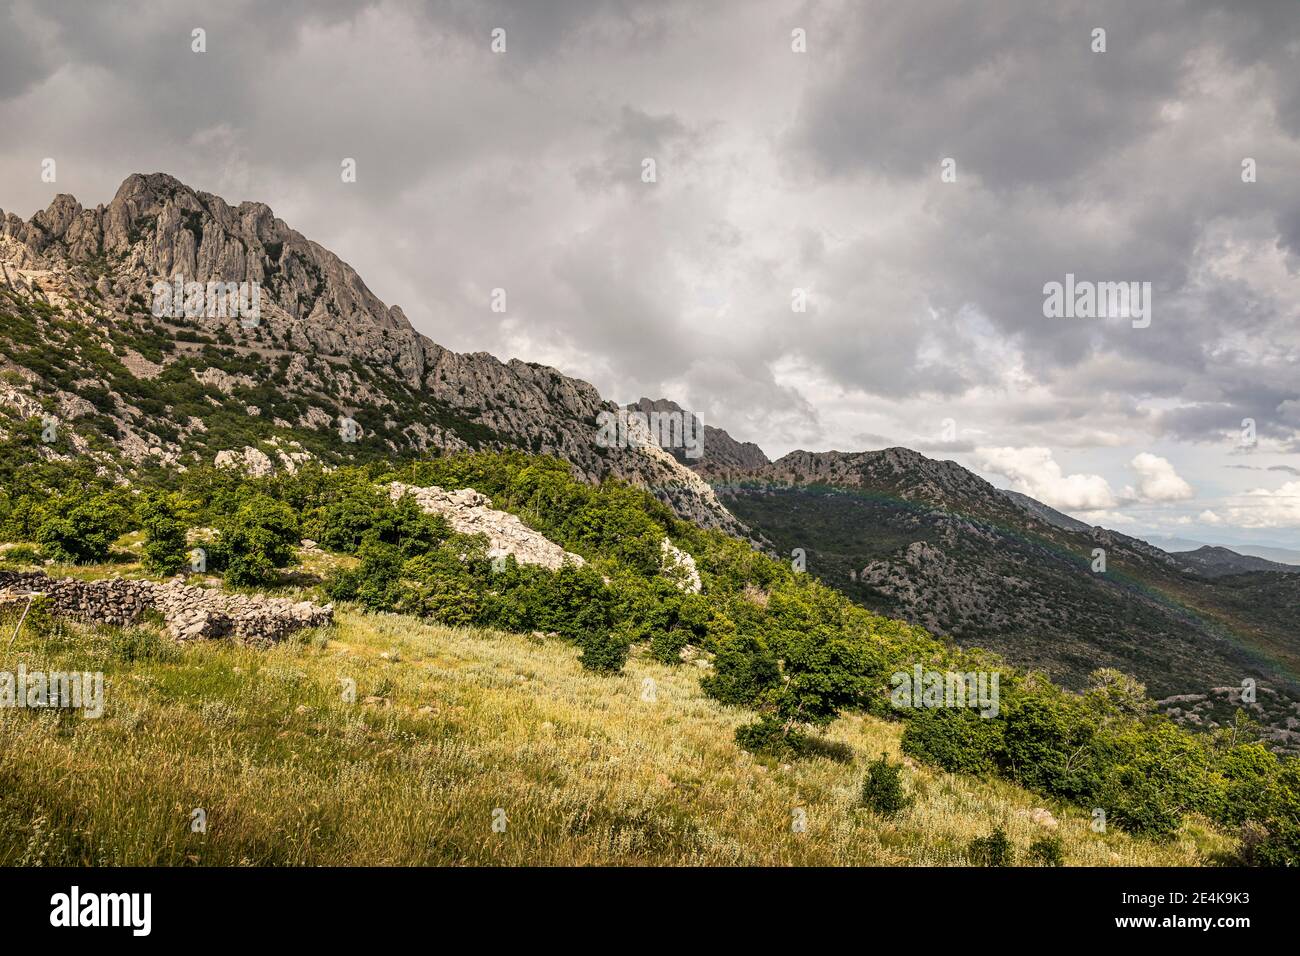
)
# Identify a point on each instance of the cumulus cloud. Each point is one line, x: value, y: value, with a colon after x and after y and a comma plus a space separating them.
x: 1262, y: 508
x: 1035, y: 472
x: 1157, y: 480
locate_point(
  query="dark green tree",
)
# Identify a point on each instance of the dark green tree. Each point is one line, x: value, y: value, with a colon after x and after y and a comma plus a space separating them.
x: 161, y: 515
x: 258, y: 539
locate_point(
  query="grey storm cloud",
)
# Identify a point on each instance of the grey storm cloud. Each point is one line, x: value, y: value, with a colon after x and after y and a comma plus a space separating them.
x: 777, y: 171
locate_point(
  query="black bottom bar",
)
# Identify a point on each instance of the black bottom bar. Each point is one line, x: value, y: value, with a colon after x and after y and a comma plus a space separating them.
x: 340, y: 905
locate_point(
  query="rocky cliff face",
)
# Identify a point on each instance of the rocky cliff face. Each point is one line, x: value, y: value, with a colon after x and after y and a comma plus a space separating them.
x: 1214, y: 562
x: 324, y: 349
x: 909, y: 474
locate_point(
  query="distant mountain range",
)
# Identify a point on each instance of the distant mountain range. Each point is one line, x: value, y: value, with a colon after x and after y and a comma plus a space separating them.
x: 1216, y: 562
x: 935, y: 544
x: 1175, y: 544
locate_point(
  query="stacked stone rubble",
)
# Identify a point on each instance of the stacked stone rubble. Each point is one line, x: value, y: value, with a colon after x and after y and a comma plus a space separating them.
x: 190, y: 613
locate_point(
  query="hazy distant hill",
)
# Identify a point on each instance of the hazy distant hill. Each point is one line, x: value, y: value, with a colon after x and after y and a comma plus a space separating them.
x: 1216, y: 562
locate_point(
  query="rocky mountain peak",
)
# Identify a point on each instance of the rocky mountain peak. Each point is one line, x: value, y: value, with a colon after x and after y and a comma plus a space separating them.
x: 324, y: 348
x: 899, y: 471
x: 723, y: 457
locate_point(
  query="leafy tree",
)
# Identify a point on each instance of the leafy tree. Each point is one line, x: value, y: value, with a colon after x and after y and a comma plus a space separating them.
x: 1114, y: 696
x: 1047, y: 743
x: 81, y: 527
x: 744, y: 672
x: 161, y: 515
x: 821, y: 677
x: 346, y: 521
x: 604, y: 651
x: 256, y: 540
x: 376, y: 583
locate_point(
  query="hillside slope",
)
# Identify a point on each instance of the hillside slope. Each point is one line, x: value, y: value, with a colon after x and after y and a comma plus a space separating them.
x: 448, y: 727
x: 936, y: 545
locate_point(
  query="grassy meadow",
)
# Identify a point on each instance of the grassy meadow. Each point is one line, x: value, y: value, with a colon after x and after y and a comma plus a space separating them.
x: 447, y: 727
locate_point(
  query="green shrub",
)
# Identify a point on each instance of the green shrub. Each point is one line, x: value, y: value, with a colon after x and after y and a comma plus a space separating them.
x: 604, y: 652
x: 956, y: 739
x: 1249, y: 784
x: 991, y: 850
x: 451, y: 598
x: 81, y: 528
x: 255, y: 541
x: 1152, y: 774
x: 882, y: 790
x: 1047, y: 744
x: 346, y: 521
x: 21, y: 554
x: 1047, y: 851
x: 666, y: 646
x: 769, y: 736
x: 743, y: 671
x: 1279, y: 821
x: 376, y: 583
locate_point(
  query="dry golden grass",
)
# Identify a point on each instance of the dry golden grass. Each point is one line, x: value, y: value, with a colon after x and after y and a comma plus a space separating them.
x: 448, y: 726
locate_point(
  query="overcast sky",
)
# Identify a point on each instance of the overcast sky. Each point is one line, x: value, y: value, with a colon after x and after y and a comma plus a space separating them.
x: 775, y: 170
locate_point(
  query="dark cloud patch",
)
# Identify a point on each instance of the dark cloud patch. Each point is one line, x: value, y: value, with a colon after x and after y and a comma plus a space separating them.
x: 638, y: 137
x: 1283, y: 468
x: 1012, y: 90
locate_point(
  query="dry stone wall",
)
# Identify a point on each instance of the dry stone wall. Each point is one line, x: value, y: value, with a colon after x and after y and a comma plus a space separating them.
x: 190, y: 613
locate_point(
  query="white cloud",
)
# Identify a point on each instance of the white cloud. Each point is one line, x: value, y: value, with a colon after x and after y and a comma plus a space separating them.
x: 1261, y: 508
x: 1209, y: 517
x: 1157, y: 480
x: 1107, y: 519
x: 1034, y: 472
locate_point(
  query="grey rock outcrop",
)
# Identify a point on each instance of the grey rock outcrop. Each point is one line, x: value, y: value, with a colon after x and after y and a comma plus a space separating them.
x: 469, y: 512
x: 679, y: 564
x: 723, y: 457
